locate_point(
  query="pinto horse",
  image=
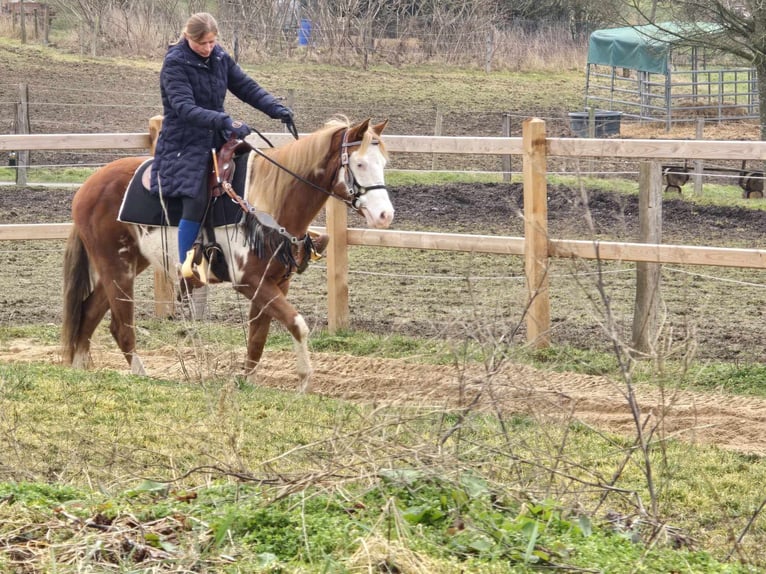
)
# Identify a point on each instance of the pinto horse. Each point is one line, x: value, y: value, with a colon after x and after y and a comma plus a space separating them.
x: 290, y: 183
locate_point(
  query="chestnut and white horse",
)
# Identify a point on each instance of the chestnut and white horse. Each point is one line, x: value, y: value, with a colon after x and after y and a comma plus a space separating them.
x: 289, y: 184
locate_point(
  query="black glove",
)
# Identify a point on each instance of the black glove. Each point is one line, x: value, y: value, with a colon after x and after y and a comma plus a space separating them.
x: 238, y: 129
x: 285, y: 115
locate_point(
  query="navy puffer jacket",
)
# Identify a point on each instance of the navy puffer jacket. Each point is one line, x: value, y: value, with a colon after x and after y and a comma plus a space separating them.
x: 193, y: 90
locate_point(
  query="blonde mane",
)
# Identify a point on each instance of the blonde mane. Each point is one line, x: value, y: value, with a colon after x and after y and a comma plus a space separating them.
x: 269, y: 183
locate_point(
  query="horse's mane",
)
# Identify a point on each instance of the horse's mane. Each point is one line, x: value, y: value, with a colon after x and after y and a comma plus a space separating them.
x: 307, y: 156
x: 269, y: 183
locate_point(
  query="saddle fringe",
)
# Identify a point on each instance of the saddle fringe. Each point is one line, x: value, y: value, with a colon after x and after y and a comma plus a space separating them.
x: 267, y: 242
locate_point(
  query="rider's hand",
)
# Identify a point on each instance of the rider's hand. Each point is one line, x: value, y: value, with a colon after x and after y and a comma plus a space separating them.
x: 237, y: 128
x: 285, y: 115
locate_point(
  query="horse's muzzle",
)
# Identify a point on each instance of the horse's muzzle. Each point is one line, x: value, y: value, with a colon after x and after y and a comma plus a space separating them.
x: 376, y: 207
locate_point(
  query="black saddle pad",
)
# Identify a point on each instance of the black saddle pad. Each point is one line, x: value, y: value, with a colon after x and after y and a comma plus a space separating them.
x: 141, y: 206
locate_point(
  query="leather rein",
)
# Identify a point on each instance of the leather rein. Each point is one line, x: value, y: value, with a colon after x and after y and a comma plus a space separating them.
x: 354, y: 190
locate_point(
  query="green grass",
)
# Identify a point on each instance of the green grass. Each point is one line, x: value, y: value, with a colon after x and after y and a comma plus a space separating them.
x: 307, y: 483
x: 69, y: 175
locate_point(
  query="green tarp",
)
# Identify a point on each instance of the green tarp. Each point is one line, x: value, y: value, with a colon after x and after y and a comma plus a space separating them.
x: 646, y: 48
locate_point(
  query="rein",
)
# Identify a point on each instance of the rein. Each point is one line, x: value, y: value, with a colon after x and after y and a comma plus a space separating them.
x: 354, y: 190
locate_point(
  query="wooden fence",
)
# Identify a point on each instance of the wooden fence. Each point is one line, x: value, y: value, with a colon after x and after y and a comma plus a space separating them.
x: 536, y: 247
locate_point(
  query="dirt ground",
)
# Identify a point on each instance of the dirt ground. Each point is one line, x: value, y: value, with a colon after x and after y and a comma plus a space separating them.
x: 713, y: 418
x: 730, y: 422
x: 725, y: 313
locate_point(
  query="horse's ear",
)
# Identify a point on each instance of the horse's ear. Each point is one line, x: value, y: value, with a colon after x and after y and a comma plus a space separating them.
x: 360, y: 129
x: 378, y: 128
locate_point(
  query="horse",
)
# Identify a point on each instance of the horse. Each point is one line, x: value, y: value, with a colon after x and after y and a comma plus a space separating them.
x: 290, y: 184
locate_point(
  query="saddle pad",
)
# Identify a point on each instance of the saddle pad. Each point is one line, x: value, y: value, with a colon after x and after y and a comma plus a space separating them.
x: 140, y: 206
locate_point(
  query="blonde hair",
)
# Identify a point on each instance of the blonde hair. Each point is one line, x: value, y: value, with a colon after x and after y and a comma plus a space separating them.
x: 199, y: 25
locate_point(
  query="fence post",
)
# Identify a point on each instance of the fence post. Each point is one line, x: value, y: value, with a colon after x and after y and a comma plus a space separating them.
x: 164, y: 293
x: 536, y: 232
x: 46, y: 25
x: 437, y: 132
x: 290, y: 103
x: 23, y: 20
x: 699, y: 166
x: 337, y: 266
x: 507, y: 158
x: 646, y: 311
x: 22, y: 127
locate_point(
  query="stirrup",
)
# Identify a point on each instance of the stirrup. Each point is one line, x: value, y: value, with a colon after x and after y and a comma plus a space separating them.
x: 320, y: 242
x: 193, y: 270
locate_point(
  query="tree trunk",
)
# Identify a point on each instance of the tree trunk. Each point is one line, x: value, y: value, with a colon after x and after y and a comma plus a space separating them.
x: 96, y: 33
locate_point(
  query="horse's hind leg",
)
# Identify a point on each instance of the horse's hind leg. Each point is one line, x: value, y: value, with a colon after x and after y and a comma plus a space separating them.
x: 94, y: 308
x: 122, y: 325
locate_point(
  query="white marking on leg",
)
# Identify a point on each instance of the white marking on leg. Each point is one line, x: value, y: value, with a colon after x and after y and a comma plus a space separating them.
x: 137, y: 366
x: 81, y: 360
x: 303, y: 361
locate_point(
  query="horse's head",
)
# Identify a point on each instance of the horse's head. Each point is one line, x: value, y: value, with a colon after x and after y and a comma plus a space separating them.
x: 361, y: 177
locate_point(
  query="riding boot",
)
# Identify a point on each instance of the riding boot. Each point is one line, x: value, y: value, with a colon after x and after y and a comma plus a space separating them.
x: 188, y: 231
x: 189, y: 252
x: 191, y: 296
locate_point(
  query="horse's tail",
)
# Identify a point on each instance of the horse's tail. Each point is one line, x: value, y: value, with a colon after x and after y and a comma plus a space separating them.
x: 77, y: 287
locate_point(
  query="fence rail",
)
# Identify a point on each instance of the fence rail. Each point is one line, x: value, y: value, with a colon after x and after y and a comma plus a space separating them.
x: 536, y: 246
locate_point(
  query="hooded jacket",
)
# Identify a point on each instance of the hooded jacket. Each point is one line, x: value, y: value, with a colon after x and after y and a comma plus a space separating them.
x: 193, y: 90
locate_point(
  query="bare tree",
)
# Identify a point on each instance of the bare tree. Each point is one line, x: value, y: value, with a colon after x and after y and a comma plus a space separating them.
x: 90, y: 16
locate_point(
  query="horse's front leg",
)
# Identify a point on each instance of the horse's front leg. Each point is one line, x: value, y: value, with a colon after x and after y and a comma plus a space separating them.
x: 268, y: 302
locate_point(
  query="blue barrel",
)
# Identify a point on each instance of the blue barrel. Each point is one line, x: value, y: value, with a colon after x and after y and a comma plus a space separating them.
x: 304, y: 32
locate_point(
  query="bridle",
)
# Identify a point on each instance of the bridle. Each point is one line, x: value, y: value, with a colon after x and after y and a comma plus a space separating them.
x: 353, y: 190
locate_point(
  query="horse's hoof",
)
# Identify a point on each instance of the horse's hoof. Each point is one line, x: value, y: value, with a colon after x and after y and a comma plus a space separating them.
x: 81, y: 361
x: 137, y: 366
x: 304, y: 384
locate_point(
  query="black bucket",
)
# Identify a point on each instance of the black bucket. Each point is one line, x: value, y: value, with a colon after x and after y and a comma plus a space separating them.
x: 607, y: 123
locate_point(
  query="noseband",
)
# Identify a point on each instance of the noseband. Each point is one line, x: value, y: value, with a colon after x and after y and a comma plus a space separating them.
x: 353, y: 189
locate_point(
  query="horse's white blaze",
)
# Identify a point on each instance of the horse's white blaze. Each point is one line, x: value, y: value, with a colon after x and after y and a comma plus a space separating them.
x: 368, y: 170
x: 301, y: 348
x: 377, y: 208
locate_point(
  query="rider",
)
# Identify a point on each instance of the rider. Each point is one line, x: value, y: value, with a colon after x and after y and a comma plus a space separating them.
x: 195, y: 76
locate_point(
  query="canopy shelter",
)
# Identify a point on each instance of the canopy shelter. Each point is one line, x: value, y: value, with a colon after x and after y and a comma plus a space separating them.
x: 650, y: 72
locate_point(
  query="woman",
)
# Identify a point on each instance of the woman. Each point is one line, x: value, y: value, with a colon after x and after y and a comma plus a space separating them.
x: 195, y: 77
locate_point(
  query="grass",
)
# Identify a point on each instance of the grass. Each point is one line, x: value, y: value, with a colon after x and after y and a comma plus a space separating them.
x: 49, y: 175
x: 278, y: 481
x: 213, y: 473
